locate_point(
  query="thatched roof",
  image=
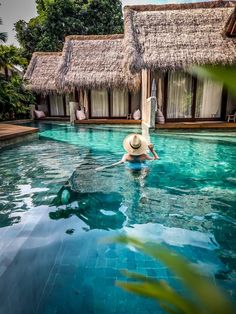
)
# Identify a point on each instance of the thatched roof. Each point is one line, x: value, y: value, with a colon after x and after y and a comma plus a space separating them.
x: 41, y: 72
x: 178, y: 35
x: 94, y: 62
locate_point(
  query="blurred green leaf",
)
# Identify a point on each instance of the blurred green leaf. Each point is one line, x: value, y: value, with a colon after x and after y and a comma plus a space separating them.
x: 160, y: 289
x: 208, y: 298
x: 222, y: 74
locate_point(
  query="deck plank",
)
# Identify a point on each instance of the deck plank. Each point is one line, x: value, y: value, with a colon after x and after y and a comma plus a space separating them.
x: 10, y: 131
x: 197, y: 125
x: 108, y: 121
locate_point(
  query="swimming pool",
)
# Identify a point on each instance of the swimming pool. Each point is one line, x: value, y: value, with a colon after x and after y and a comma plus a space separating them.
x: 51, y: 260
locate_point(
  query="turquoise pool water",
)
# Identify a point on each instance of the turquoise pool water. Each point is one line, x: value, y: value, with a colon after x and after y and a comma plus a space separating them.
x: 51, y: 260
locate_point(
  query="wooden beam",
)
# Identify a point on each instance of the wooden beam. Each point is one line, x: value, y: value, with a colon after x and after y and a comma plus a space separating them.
x: 194, y: 100
x: 165, y: 100
x: 48, y: 105
x: 224, y: 99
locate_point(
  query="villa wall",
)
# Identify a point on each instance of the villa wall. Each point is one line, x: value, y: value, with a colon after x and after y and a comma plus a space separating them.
x: 96, y: 103
x: 183, y: 97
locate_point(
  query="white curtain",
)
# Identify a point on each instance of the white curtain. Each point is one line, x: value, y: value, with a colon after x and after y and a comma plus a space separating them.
x: 208, y: 101
x: 56, y: 105
x: 180, y: 95
x: 81, y: 98
x: 99, y: 103
x: 67, y: 105
x: 120, y: 103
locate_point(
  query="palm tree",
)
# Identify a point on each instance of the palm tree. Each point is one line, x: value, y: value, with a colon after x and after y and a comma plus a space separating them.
x: 3, y: 35
x: 10, y: 56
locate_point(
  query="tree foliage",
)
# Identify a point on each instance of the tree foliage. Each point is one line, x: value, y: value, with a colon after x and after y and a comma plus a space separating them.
x: 11, y: 56
x: 14, y: 99
x: 3, y: 35
x: 59, y: 18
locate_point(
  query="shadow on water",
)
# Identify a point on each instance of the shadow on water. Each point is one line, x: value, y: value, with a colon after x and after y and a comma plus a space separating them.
x: 98, y: 210
x: 100, y: 198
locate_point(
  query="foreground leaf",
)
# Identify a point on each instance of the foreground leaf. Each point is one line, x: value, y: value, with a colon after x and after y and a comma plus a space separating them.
x: 208, y: 297
x: 158, y: 289
x: 222, y: 74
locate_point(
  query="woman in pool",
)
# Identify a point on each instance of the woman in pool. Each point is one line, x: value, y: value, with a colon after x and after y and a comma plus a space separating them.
x: 136, y: 146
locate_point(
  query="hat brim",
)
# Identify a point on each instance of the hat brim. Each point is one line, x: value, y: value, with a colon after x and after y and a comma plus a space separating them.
x: 138, y: 151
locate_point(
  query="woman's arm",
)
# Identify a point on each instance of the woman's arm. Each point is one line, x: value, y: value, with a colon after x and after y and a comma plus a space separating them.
x: 151, y: 148
x: 113, y: 165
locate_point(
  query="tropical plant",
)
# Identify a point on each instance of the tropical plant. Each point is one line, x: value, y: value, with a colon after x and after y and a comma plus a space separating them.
x: 11, y: 56
x: 3, y: 35
x: 59, y: 18
x: 14, y: 99
x: 202, y: 297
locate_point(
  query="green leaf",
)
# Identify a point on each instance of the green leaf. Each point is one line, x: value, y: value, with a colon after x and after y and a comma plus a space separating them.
x: 162, y: 294
x: 208, y: 296
x: 222, y: 74
x: 161, y: 290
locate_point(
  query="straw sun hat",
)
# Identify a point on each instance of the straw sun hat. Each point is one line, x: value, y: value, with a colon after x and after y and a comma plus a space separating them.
x: 135, y: 144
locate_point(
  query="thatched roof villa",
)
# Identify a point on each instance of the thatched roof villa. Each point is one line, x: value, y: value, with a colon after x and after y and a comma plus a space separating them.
x: 41, y: 75
x: 41, y: 72
x: 162, y: 41
x: 106, y: 73
x: 93, y: 67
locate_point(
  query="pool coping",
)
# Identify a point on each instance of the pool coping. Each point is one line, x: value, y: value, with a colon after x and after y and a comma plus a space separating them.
x: 12, y: 134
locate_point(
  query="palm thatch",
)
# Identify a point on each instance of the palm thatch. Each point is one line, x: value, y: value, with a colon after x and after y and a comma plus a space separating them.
x: 94, y: 62
x: 41, y: 72
x: 169, y: 37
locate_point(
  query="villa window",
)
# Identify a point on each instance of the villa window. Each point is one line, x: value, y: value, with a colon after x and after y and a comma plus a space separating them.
x: 188, y: 98
x: 99, y: 103
x: 120, y: 103
x: 208, y: 99
x: 56, y: 105
x: 180, y: 94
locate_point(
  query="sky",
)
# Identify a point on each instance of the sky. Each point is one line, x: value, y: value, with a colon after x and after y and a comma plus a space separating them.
x: 12, y: 11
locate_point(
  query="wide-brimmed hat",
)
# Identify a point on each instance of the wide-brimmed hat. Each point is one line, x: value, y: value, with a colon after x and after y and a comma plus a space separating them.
x: 135, y: 144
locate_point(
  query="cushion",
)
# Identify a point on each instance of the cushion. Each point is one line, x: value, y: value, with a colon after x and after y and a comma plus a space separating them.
x: 39, y: 114
x: 80, y: 115
x: 159, y: 117
x: 137, y: 115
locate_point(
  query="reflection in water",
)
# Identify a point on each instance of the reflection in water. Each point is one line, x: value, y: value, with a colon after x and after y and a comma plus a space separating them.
x: 97, y: 210
x: 100, y: 198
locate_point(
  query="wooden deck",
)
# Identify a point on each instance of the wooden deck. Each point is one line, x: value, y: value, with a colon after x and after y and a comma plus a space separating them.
x: 10, y: 131
x: 197, y: 125
x: 108, y: 121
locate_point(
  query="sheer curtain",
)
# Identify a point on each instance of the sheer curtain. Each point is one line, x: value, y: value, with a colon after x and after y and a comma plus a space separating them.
x: 67, y: 104
x: 120, y: 102
x: 180, y: 95
x: 208, y: 101
x: 56, y: 105
x: 99, y: 103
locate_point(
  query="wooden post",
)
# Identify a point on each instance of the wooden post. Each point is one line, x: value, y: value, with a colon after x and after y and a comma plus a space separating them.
x: 165, y: 95
x: 64, y: 104
x: 224, y: 100
x: 194, y: 100
x: 144, y: 92
x: 109, y: 92
x: 48, y: 105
